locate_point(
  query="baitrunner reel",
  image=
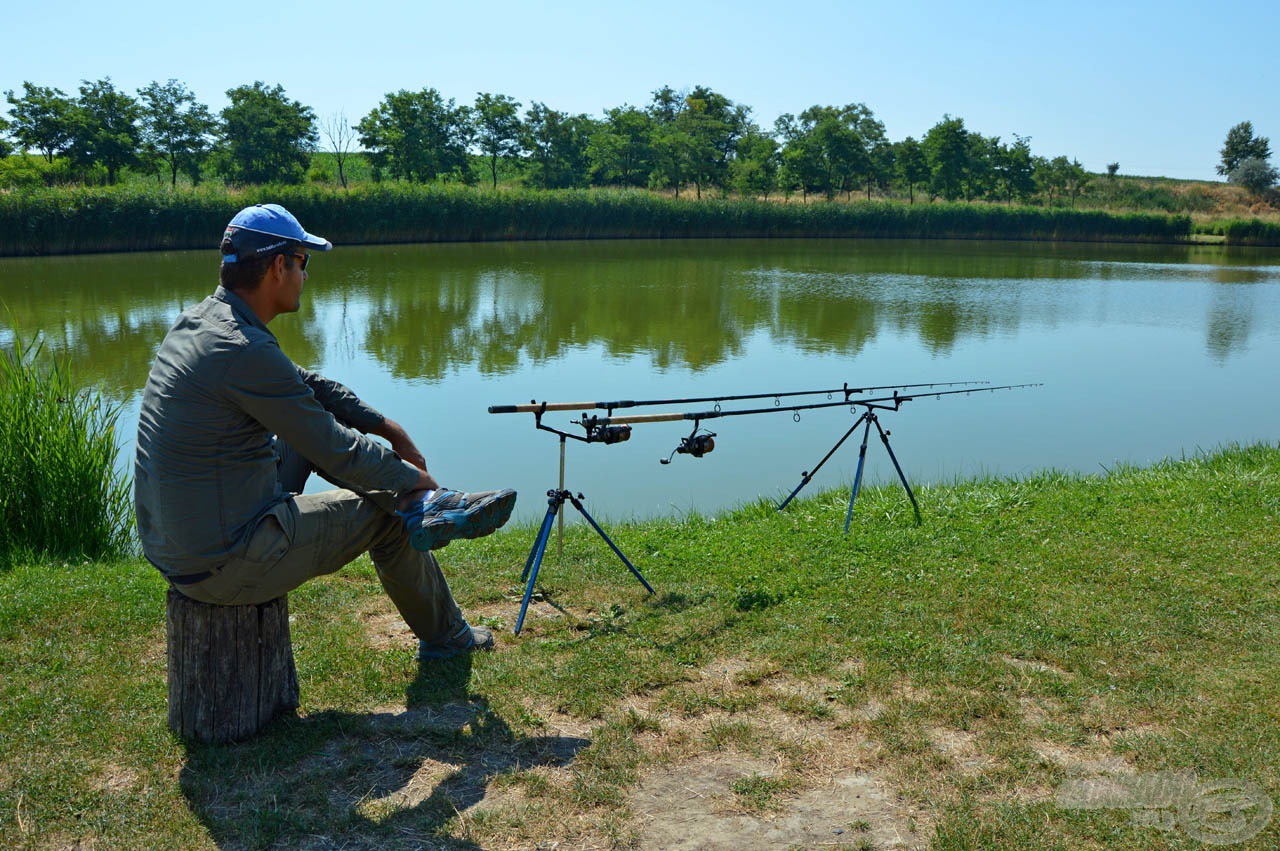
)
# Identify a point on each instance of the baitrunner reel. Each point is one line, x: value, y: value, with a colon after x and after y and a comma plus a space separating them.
x: 695, y: 444
x: 609, y: 434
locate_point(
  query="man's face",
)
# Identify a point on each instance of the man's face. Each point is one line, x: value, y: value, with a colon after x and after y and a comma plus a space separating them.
x: 293, y: 274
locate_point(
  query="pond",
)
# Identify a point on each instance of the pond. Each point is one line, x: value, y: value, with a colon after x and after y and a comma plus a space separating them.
x: 1143, y: 352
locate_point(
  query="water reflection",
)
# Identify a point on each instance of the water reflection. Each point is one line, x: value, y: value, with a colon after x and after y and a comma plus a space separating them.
x: 424, y: 312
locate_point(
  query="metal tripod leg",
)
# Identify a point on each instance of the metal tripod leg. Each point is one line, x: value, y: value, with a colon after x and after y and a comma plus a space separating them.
x: 807, y: 476
x: 884, y: 438
x: 555, y: 501
x: 857, y: 477
x: 534, y: 562
x: 578, y: 505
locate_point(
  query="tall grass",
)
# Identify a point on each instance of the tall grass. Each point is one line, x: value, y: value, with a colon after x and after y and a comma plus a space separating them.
x: 133, y: 218
x: 60, y: 493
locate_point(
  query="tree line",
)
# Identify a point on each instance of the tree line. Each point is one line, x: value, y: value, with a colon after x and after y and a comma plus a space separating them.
x: 693, y: 140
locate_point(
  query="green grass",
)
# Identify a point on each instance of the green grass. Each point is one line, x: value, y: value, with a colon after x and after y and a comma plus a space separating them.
x: 1029, y: 631
x: 60, y: 493
x: 136, y: 218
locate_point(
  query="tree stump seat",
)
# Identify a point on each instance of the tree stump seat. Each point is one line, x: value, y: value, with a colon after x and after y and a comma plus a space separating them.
x: 230, y: 667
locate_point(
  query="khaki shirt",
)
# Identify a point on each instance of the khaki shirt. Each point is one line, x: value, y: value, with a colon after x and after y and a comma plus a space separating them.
x: 205, y: 472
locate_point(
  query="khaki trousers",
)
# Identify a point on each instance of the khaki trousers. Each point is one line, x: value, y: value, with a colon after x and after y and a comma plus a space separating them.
x: 315, y: 534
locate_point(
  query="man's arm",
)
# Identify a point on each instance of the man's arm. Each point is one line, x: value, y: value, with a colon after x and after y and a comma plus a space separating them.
x: 350, y: 410
x: 267, y: 386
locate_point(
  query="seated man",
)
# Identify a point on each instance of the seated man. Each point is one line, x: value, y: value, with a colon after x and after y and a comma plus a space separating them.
x: 230, y: 428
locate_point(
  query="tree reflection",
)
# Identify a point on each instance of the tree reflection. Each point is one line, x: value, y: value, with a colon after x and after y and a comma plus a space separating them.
x: 424, y: 312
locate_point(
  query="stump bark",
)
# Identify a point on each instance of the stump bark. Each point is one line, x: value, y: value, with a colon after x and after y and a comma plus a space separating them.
x: 230, y: 667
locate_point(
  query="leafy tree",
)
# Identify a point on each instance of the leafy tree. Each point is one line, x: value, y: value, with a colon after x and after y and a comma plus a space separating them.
x: 911, y: 166
x: 1016, y: 171
x: 42, y: 119
x: 673, y: 156
x: 621, y: 150
x: 176, y: 128
x: 1112, y: 169
x: 266, y: 136
x: 556, y: 143
x: 1254, y: 174
x: 983, y: 170
x: 804, y: 163
x: 882, y: 157
x: 1060, y: 176
x: 946, y: 147
x: 497, y: 125
x: 754, y: 170
x: 105, y: 128
x: 340, y: 137
x: 1241, y: 145
x: 5, y: 148
x: 418, y: 136
x: 714, y: 125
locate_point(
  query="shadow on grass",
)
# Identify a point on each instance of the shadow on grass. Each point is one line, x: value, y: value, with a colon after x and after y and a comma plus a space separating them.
x: 395, y: 779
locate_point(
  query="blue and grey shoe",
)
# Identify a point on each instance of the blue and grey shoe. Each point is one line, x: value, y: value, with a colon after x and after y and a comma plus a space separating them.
x: 465, y: 639
x: 447, y: 515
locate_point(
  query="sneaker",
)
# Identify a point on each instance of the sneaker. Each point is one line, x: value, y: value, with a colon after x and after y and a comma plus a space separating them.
x: 447, y: 515
x: 465, y: 639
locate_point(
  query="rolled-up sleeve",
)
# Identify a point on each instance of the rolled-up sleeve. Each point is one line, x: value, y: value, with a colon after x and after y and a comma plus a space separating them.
x: 268, y: 387
x: 348, y: 408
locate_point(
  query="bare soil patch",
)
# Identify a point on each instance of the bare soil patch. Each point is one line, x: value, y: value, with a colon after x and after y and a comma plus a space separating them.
x: 692, y: 806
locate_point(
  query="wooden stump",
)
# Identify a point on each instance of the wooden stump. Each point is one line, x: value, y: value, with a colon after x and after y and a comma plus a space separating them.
x: 230, y: 667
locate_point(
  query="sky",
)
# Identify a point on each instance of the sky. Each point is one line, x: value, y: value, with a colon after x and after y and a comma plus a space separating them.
x: 1153, y: 86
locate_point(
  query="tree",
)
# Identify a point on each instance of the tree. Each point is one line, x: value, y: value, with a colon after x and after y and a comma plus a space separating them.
x: 1254, y: 174
x: 105, y: 128
x: 754, y: 170
x: 1015, y: 170
x: 946, y: 147
x: 418, y: 136
x: 5, y: 148
x: 556, y: 143
x: 41, y: 119
x: 803, y: 160
x: 176, y: 128
x: 340, y: 137
x: 267, y: 137
x: 497, y: 125
x: 1241, y: 145
x: 1113, y: 169
x: 621, y: 150
x: 911, y: 166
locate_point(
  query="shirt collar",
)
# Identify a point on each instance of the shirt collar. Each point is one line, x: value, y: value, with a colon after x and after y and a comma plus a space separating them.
x: 240, y: 308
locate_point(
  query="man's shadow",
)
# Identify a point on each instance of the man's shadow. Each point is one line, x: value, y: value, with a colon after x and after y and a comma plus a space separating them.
x: 383, y: 779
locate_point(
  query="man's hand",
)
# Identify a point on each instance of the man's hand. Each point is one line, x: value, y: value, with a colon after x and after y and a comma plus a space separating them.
x: 402, y: 444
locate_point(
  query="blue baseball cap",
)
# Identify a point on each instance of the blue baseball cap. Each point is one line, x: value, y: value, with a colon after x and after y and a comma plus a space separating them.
x: 265, y: 228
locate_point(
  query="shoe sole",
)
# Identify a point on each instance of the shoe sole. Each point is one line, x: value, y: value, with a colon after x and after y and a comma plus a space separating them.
x: 475, y: 521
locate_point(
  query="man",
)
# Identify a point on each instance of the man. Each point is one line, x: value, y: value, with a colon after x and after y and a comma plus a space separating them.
x: 230, y: 428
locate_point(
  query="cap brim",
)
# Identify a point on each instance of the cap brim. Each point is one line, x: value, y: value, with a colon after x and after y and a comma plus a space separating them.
x: 316, y: 243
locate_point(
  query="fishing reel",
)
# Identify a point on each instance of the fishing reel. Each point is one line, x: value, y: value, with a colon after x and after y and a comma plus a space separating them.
x: 695, y: 444
x: 609, y: 434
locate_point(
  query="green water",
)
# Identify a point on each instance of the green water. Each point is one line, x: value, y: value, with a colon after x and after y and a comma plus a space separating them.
x: 1144, y: 351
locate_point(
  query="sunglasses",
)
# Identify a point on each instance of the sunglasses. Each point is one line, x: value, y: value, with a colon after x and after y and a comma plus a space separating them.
x: 306, y: 258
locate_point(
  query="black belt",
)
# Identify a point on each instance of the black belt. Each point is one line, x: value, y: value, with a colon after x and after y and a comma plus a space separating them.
x: 190, y: 578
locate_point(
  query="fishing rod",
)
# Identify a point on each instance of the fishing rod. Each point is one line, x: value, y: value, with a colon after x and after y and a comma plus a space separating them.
x: 889, y: 403
x: 541, y: 407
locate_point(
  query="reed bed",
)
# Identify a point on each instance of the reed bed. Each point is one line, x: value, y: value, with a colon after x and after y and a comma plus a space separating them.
x: 65, y: 221
x: 61, y: 496
x: 1249, y: 231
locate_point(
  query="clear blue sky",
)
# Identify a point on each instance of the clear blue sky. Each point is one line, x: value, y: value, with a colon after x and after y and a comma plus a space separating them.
x: 1152, y: 85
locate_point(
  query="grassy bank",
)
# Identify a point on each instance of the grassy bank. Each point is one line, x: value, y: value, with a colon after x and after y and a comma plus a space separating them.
x: 786, y: 685
x: 64, y: 221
